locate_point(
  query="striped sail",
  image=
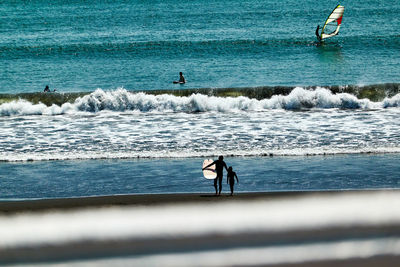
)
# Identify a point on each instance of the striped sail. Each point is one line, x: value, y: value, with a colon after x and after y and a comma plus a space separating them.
x: 332, y: 23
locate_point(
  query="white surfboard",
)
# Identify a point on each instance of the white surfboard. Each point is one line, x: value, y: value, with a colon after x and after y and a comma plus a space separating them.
x: 209, y: 172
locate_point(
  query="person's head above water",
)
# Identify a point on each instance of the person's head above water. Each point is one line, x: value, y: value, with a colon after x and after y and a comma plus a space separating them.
x: 180, y: 73
x: 230, y: 168
x: 221, y: 157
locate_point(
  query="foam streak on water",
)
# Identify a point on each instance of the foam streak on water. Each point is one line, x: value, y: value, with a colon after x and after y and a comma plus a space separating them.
x: 120, y: 124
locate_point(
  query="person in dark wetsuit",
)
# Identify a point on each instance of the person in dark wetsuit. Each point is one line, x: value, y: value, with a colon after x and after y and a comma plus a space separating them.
x: 46, y: 89
x: 219, y: 168
x: 181, y: 79
x: 230, y: 178
x: 317, y: 33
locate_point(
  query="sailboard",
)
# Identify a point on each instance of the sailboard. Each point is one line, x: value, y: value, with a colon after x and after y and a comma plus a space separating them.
x: 332, y: 24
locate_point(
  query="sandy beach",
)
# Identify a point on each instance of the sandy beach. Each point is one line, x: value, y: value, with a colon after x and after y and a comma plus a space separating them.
x: 264, y: 229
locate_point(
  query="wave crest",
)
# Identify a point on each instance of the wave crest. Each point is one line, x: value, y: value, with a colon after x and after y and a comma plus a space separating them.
x: 121, y: 100
x: 391, y: 102
x: 300, y: 98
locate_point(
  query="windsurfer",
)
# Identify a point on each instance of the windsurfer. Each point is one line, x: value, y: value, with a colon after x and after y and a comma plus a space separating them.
x: 317, y: 33
x: 332, y: 24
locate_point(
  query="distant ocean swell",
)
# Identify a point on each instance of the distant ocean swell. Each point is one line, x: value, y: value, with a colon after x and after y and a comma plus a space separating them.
x: 200, y: 100
x: 129, y: 47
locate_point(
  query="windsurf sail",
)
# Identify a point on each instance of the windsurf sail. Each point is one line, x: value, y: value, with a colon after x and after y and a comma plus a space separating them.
x: 332, y: 23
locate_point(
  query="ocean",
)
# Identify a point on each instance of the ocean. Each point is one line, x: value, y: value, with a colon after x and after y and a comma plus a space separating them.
x: 288, y: 113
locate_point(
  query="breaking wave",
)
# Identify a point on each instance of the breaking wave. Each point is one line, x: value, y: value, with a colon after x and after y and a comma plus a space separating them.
x: 122, y: 100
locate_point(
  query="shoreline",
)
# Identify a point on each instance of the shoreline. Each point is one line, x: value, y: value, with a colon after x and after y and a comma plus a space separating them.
x: 13, y: 206
x: 272, y: 154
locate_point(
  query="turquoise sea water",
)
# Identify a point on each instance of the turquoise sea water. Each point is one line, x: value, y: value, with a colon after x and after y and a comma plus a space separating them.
x: 109, y: 50
x: 55, y: 179
x: 84, y: 45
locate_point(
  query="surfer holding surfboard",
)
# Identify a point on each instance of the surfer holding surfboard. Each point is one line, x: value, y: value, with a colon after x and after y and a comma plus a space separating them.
x: 219, y: 169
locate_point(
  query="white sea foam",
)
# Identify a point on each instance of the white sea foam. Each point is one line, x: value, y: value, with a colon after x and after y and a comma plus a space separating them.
x: 300, y: 98
x: 121, y: 124
x: 21, y: 107
x: 121, y: 100
x: 391, y: 102
x: 165, y: 126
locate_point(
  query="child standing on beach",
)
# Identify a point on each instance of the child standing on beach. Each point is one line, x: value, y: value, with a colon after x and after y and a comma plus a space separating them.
x: 231, y: 178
